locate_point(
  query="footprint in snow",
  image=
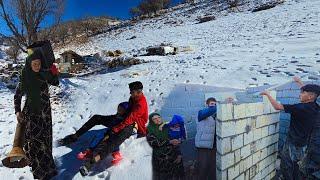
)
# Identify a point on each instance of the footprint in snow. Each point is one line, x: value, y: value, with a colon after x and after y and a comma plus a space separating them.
x: 101, y: 176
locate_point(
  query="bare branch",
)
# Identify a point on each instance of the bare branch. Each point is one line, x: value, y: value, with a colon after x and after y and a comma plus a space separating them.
x: 26, y: 17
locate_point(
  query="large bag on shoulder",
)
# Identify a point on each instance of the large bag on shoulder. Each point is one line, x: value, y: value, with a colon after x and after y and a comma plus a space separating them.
x: 46, y: 49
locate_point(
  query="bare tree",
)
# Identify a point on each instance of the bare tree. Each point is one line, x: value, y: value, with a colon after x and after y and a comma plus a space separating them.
x: 24, y: 18
x: 135, y: 11
x: 166, y: 4
x: 92, y: 25
x: 61, y: 33
x: 87, y: 25
x: 151, y: 6
x: 13, y: 52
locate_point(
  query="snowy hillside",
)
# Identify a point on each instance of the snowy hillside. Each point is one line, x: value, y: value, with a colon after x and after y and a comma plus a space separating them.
x: 2, y: 54
x: 237, y: 50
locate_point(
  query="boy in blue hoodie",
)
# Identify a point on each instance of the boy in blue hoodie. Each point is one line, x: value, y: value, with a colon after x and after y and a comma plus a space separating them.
x: 205, y: 140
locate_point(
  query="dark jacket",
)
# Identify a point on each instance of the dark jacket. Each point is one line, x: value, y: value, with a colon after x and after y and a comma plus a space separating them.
x: 38, y: 136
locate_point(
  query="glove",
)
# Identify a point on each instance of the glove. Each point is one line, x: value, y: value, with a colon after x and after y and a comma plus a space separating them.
x: 54, y: 70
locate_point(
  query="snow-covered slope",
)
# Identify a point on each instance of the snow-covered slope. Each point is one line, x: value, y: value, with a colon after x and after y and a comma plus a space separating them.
x: 235, y: 50
x: 2, y: 54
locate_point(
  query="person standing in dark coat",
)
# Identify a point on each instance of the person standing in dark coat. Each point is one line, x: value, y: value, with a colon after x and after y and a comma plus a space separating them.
x: 36, y: 114
x: 166, y: 158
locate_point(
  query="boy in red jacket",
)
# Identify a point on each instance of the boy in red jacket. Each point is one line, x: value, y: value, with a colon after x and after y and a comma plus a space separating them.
x: 138, y: 108
x: 138, y: 115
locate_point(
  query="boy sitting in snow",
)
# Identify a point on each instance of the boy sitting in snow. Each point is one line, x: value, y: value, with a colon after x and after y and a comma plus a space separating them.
x: 107, y: 121
x: 137, y: 116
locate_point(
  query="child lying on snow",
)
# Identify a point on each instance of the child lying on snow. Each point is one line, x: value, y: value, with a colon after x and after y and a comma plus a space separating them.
x: 176, y: 131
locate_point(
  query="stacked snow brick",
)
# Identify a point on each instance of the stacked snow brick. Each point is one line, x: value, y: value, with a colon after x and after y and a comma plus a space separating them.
x: 286, y: 94
x: 247, y: 140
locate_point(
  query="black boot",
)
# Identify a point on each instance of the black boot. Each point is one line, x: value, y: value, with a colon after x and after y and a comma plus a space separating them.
x: 68, y: 140
x: 86, y: 167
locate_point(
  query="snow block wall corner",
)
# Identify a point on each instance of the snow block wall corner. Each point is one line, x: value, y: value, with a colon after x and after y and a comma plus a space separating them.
x: 287, y: 93
x: 247, y: 140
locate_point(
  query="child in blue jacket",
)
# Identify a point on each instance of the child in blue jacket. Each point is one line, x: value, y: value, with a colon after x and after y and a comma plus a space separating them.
x: 177, y: 131
x: 176, y: 128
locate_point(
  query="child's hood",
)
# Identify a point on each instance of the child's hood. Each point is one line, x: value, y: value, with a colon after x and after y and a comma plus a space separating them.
x: 176, y: 119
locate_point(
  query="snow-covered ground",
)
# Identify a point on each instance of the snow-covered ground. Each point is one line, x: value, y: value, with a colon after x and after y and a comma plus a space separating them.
x: 236, y: 50
x: 3, y: 55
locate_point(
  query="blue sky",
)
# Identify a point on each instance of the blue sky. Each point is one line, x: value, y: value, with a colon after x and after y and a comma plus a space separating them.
x: 76, y: 9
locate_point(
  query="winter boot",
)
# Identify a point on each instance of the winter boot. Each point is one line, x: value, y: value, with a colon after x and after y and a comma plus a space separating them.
x: 68, y: 140
x: 85, y: 169
x: 85, y: 155
x: 116, y: 158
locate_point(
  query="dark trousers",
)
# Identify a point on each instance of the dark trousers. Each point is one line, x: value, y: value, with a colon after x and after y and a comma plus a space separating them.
x: 94, y: 121
x: 206, y: 161
x: 290, y: 156
x: 309, y: 168
x: 107, y: 146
